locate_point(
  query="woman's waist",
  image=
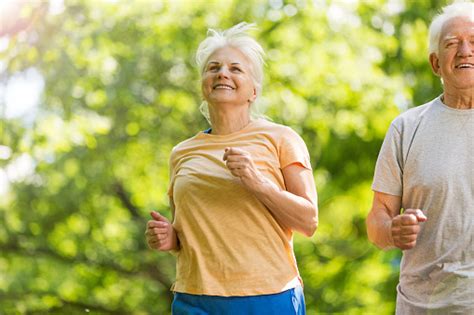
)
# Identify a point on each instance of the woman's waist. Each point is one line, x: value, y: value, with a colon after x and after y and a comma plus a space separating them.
x: 241, y: 283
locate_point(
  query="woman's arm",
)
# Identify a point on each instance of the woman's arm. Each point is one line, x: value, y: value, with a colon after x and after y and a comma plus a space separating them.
x: 296, y: 207
x: 160, y: 233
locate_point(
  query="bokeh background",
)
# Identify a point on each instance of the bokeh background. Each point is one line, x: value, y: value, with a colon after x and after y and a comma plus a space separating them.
x: 94, y: 95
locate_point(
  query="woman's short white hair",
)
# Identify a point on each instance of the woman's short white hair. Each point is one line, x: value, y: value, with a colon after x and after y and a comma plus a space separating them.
x: 236, y: 37
x: 457, y: 9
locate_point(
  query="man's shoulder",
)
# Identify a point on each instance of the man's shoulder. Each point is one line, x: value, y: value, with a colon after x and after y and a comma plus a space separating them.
x: 415, y: 114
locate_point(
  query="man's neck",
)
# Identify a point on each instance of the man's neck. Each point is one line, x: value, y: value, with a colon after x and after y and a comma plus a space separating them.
x: 463, y: 99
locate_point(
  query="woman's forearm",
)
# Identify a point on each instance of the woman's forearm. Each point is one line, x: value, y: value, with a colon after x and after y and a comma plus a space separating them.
x: 290, y: 210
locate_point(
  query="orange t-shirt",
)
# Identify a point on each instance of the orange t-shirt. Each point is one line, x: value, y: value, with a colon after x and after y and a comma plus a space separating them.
x: 231, y: 245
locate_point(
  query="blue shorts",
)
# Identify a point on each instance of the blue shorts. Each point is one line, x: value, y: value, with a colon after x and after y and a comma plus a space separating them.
x: 290, y: 302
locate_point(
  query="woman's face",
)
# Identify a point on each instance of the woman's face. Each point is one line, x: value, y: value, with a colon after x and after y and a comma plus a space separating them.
x: 227, y: 78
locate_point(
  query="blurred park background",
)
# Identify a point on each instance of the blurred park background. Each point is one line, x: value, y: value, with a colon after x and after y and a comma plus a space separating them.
x: 94, y: 95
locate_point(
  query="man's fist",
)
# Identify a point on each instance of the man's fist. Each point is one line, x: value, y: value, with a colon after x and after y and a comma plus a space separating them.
x: 405, y: 228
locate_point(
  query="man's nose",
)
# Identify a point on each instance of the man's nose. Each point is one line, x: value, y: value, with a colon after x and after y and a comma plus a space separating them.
x: 465, y: 48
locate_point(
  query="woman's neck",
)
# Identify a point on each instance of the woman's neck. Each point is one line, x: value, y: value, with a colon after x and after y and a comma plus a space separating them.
x: 230, y: 121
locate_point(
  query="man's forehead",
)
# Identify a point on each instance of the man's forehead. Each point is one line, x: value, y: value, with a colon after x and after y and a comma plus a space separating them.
x: 451, y: 35
x: 457, y: 25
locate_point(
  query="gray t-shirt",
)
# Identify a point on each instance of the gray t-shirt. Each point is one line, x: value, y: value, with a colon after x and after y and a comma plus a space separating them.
x: 427, y: 158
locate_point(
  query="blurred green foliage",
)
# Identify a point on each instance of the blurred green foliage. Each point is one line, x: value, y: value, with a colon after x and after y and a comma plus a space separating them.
x: 121, y: 89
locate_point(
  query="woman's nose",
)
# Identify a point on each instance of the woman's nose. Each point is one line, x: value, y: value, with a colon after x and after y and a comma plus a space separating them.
x: 223, y: 72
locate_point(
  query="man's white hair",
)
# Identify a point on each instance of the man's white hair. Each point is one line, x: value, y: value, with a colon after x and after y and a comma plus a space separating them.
x: 236, y: 37
x: 456, y: 9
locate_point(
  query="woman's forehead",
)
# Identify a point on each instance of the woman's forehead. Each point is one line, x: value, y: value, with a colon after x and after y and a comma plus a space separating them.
x: 228, y: 54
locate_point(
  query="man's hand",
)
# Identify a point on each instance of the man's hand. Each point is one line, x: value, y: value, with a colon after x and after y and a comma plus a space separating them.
x: 160, y: 234
x: 405, y: 228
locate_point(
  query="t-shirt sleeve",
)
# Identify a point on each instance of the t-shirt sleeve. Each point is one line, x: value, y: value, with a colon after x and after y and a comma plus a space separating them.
x: 172, y: 166
x: 292, y: 149
x: 389, y: 168
x: 172, y: 174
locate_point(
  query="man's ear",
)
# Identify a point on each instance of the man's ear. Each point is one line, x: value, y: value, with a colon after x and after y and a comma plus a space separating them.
x: 434, y: 61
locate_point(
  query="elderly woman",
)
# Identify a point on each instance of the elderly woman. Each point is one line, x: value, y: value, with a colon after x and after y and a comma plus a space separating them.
x: 238, y: 191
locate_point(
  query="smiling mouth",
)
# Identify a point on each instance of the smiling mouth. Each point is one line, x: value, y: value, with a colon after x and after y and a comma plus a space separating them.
x: 222, y: 87
x: 465, y: 66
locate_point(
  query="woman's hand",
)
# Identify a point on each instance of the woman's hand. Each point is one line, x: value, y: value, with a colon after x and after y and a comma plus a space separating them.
x: 160, y: 234
x: 296, y: 207
x: 241, y: 165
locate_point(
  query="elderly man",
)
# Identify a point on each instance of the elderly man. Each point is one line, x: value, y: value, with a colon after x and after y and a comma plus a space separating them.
x: 426, y: 168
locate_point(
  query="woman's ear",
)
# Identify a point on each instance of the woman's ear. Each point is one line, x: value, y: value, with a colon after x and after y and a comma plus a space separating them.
x: 254, y: 96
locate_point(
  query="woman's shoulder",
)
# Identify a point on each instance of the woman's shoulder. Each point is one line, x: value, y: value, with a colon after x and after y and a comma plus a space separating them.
x: 282, y: 130
x: 272, y: 126
x: 187, y: 143
x: 281, y: 134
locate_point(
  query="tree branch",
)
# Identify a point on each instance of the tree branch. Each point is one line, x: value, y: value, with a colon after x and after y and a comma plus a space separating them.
x: 87, y: 307
x: 148, y: 270
x: 126, y: 202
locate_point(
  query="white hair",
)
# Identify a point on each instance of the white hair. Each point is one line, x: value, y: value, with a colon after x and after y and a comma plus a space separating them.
x: 236, y: 37
x: 456, y: 9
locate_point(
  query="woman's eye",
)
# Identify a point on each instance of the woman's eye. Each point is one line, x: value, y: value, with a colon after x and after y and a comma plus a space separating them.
x: 236, y: 69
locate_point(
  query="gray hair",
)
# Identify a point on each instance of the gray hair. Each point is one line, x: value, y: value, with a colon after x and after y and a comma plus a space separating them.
x: 457, y: 9
x: 236, y: 37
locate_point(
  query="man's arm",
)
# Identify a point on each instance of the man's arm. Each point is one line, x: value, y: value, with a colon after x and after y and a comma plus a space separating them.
x: 387, y: 228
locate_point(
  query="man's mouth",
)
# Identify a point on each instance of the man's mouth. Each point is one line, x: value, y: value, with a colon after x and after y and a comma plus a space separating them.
x: 222, y: 86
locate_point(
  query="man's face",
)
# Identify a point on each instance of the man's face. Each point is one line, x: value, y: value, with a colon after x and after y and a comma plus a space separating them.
x: 455, y: 59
